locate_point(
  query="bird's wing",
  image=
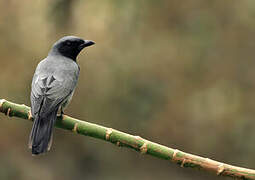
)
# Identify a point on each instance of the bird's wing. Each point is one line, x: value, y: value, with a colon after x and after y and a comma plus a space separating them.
x: 49, y: 90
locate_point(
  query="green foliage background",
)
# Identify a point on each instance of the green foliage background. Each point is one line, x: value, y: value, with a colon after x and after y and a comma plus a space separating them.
x: 180, y: 73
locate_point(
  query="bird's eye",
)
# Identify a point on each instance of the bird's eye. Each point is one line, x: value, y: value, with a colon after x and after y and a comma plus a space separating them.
x: 68, y: 43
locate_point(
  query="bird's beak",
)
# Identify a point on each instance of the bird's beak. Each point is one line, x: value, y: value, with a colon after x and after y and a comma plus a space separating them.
x: 86, y: 44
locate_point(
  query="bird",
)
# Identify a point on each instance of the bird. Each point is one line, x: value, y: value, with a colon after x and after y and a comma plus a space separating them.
x: 52, y: 88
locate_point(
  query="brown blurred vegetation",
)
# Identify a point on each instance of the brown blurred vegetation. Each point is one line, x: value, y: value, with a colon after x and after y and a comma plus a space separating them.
x: 180, y: 73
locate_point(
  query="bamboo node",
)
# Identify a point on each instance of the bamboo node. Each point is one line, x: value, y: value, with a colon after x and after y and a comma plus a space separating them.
x: 143, y: 148
x: 29, y: 115
x: 2, y: 102
x: 8, y: 112
x: 183, y: 162
x: 220, y: 169
x: 75, y: 128
x: 108, y: 133
x: 175, y: 153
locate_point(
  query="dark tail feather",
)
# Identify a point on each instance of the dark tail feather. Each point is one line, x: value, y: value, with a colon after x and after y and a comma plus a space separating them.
x: 42, y: 132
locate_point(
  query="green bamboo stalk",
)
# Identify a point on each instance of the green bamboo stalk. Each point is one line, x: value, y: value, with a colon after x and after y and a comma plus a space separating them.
x: 135, y: 142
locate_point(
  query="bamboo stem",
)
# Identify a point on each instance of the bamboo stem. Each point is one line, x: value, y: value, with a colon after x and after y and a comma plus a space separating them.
x: 135, y: 142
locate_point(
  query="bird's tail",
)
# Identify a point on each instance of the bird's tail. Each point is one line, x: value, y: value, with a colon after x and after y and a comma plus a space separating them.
x: 42, y: 132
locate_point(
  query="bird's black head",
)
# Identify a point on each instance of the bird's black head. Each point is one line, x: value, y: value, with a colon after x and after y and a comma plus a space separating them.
x: 70, y: 46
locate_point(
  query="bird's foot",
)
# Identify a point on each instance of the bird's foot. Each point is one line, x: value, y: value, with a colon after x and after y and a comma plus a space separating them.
x: 61, y: 115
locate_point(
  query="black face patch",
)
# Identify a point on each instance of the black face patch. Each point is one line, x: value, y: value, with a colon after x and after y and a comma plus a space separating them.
x: 70, y: 48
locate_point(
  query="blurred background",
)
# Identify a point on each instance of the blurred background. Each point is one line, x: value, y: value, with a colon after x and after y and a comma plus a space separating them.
x: 177, y: 73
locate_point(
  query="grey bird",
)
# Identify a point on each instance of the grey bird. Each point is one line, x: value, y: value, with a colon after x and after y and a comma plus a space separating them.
x: 53, y: 85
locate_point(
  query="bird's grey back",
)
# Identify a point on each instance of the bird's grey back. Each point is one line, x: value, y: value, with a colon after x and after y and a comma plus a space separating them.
x: 55, y: 78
